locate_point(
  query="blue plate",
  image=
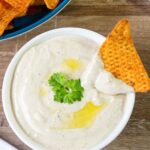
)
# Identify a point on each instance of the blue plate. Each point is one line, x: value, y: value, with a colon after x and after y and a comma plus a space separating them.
x: 28, y: 22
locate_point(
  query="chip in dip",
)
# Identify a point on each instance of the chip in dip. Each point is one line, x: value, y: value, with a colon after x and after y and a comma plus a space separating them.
x: 55, y: 125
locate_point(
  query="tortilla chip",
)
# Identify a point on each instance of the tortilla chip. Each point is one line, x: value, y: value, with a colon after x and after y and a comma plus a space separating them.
x: 3, y: 7
x: 51, y: 4
x: 9, y: 27
x: 19, y: 3
x: 9, y: 12
x: 6, y: 15
x: 13, y: 3
x: 22, y: 5
x: 122, y: 60
x: 6, y: 19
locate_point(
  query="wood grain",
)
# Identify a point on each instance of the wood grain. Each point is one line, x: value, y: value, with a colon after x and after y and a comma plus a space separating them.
x: 99, y: 16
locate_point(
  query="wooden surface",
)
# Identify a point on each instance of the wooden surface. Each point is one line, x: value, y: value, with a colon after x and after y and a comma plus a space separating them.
x: 100, y: 16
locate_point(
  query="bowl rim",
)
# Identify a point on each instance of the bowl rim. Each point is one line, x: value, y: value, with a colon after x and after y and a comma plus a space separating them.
x: 7, y: 81
x: 36, y: 24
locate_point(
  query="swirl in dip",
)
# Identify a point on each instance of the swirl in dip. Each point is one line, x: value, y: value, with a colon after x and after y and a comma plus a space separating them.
x: 54, y: 125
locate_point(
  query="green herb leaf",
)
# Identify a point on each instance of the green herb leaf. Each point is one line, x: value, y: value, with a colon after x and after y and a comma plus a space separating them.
x: 65, y: 90
x: 57, y: 79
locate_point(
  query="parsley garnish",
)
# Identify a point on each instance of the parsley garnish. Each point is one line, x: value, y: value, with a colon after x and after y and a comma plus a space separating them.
x: 65, y: 90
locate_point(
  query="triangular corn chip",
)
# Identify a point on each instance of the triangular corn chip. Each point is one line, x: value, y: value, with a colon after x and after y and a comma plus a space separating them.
x: 9, y: 9
x: 51, y: 4
x: 19, y: 3
x: 7, y: 13
x: 122, y: 60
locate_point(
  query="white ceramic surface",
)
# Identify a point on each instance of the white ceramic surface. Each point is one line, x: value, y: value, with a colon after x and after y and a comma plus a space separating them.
x: 6, y: 89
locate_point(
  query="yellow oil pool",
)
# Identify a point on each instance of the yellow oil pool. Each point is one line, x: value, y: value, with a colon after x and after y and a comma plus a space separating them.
x: 72, y: 64
x: 85, y: 116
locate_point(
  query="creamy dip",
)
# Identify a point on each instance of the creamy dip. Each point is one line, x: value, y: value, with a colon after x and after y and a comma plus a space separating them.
x: 57, y: 126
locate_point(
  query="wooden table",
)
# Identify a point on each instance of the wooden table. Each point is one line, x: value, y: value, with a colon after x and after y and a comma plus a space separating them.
x: 99, y: 16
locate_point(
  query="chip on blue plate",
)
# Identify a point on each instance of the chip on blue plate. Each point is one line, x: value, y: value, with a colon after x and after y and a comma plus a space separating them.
x: 32, y: 19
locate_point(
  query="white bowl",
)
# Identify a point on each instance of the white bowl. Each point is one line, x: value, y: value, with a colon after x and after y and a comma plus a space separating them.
x: 6, y: 89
